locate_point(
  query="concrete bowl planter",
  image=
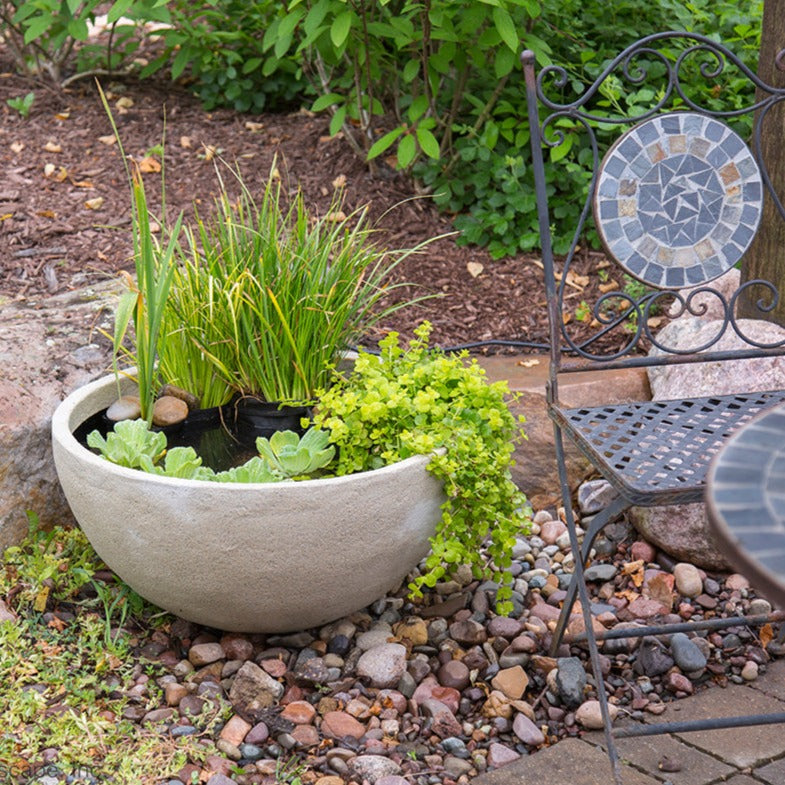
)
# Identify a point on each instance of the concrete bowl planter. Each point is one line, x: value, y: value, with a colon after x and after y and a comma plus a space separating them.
x: 250, y: 558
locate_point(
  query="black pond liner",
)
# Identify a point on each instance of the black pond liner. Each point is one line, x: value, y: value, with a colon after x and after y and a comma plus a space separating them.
x: 223, y: 436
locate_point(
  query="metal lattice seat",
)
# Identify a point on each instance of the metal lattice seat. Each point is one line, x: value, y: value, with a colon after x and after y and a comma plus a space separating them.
x: 658, y: 452
x: 676, y: 197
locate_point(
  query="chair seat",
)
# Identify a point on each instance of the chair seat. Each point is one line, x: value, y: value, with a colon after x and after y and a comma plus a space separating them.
x: 658, y: 452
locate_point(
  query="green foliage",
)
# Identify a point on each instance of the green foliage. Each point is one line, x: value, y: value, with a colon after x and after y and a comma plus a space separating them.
x: 63, y: 680
x: 285, y: 455
x: 22, y: 103
x: 129, y: 444
x: 146, y: 298
x: 223, y: 44
x: 289, y: 455
x: 419, y: 401
x: 42, y: 35
x: 264, y: 296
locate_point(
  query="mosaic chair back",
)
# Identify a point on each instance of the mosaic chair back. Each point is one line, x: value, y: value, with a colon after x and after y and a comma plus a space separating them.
x: 676, y: 189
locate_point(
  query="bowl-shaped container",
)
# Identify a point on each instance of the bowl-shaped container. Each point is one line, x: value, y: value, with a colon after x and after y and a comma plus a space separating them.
x: 246, y: 557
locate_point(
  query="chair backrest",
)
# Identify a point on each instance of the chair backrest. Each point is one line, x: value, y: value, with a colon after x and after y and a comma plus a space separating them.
x: 676, y: 187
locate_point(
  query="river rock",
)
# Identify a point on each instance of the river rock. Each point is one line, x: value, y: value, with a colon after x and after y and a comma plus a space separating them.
x: 500, y: 755
x: 126, y: 407
x: 686, y: 654
x: 570, y: 681
x: 372, y: 767
x: 527, y: 731
x: 589, y: 714
x: 681, y: 530
x: 254, y: 689
x: 688, y: 579
x: 168, y: 410
x: 383, y: 665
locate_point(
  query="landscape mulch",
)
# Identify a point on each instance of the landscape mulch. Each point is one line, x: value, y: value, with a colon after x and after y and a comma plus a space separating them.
x: 65, y: 205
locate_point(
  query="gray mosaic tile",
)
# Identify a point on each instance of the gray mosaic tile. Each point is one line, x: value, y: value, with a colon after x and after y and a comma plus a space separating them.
x: 681, y: 195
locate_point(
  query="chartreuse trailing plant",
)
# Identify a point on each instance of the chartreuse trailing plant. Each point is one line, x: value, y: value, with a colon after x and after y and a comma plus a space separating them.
x: 418, y: 400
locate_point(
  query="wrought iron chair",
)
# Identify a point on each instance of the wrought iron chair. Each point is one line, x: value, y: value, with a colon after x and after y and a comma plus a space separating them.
x: 676, y: 196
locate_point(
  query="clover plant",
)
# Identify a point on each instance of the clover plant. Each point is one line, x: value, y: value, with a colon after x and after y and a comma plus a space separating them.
x: 418, y: 401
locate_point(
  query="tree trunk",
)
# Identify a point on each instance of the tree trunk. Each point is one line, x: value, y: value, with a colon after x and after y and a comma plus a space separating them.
x: 766, y: 256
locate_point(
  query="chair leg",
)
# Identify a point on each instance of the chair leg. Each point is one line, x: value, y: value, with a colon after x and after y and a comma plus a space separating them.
x: 583, y: 595
x: 602, y: 519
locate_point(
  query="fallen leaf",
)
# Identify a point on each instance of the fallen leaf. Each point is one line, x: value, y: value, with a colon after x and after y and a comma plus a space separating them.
x: 53, y: 147
x: 608, y: 287
x: 660, y: 590
x: 628, y: 594
x: 186, y: 142
x: 210, y: 152
x: 56, y: 623
x: 528, y: 363
x: 339, y: 181
x: 82, y: 183
x: 6, y: 216
x: 17, y: 147
x: 39, y: 604
x: 47, y: 213
x: 601, y: 265
x: 149, y: 165
x: 124, y: 104
x: 654, y: 321
x: 766, y: 635
x: 577, y: 281
x: 108, y: 140
x: 474, y: 268
x: 252, y: 126
x: 336, y: 216
x: 49, y: 170
x: 632, y: 567
x: 64, y: 115
x: 566, y: 318
x: 94, y: 204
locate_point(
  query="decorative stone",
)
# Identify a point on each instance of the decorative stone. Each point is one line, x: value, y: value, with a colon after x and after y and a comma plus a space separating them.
x: 372, y: 767
x: 254, y: 689
x: 235, y: 730
x: 686, y: 654
x: 126, y: 407
x: 750, y: 671
x: 688, y: 579
x: 298, y: 712
x: 444, y: 723
x: 205, y: 653
x: 678, y: 683
x: 383, y: 665
x: 338, y: 724
x: 454, y: 674
x: 511, y: 681
x: 414, y: 630
x: 680, y: 530
x: 595, y: 495
x: 500, y: 755
x: 468, y: 632
x: 600, y: 572
x: 589, y: 714
x: 169, y: 410
x: 571, y: 681
x: 527, y: 731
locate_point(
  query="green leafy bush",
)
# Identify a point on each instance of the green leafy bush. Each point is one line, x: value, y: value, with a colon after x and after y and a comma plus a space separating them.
x: 418, y: 401
x: 221, y: 47
x: 48, y: 37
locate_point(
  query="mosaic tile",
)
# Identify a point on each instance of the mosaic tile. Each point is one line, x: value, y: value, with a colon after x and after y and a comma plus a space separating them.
x: 681, y: 195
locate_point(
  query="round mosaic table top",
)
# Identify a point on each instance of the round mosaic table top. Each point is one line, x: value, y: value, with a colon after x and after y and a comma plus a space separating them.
x: 745, y: 500
x: 678, y: 200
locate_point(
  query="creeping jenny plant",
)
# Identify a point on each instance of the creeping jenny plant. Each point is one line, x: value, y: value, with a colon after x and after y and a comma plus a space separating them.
x: 418, y: 401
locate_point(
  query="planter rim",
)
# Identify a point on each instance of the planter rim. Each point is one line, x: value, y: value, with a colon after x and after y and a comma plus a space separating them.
x: 63, y: 428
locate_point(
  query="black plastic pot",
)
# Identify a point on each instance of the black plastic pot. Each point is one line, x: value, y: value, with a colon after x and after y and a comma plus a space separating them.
x: 254, y: 417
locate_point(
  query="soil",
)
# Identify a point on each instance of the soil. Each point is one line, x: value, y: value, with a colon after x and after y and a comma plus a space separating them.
x: 64, y: 201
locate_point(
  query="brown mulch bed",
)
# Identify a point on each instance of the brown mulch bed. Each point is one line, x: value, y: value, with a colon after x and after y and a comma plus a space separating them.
x: 64, y: 201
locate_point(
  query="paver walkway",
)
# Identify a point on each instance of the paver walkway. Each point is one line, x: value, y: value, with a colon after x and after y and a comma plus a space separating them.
x: 735, y: 756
